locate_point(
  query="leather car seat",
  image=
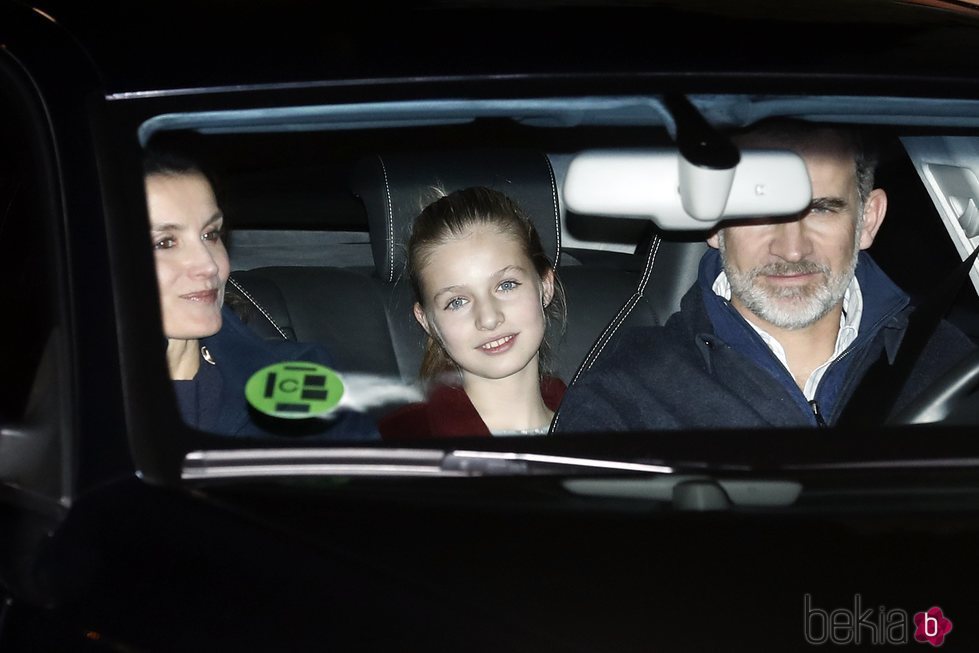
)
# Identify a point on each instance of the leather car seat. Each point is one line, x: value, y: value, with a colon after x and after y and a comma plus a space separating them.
x: 363, y: 316
x: 395, y: 187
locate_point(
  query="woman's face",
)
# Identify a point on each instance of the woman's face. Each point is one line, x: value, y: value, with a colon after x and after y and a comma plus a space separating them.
x: 484, y: 301
x: 191, y: 261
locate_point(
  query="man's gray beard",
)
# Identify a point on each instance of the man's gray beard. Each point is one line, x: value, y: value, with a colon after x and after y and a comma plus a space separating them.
x: 793, y: 307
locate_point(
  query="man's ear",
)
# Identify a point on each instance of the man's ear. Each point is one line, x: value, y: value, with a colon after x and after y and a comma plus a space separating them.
x: 421, y: 317
x: 547, y: 284
x: 714, y: 239
x: 874, y: 210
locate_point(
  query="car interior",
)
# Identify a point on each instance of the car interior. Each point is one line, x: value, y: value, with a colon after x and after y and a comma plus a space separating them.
x: 133, y: 517
x: 320, y: 202
x: 374, y: 331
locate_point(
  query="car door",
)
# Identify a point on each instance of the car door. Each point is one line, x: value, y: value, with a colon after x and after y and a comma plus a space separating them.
x: 34, y: 402
x: 53, y: 269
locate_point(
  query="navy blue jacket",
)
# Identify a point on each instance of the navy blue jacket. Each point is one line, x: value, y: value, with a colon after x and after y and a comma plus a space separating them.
x: 707, y: 368
x: 215, y: 400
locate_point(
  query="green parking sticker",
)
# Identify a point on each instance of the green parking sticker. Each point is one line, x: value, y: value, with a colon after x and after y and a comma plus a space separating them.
x: 294, y: 390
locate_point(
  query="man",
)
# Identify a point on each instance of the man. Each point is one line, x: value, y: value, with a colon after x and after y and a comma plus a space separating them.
x: 785, y: 319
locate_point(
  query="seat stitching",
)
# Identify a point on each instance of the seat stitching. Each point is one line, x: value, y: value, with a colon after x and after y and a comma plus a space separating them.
x: 623, y: 313
x: 639, y: 293
x: 255, y: 303
x: 605, y: 336
x: 389, y: 215
x: 557, y: 209
x: 634, y: 300
x: 557, y: 418
x: 649, y: 266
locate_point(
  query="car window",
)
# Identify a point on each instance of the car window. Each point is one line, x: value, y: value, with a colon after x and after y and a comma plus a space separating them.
x: 914, y: 230
x: 312, y: 212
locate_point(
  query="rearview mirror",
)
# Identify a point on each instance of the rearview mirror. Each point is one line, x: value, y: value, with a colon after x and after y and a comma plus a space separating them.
x: 660, y: 185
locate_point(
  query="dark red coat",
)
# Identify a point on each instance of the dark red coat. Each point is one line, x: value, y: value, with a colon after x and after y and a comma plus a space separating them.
x: 449, y: 413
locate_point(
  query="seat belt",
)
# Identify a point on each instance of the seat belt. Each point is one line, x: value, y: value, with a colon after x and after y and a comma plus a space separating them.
x: 873, y: 400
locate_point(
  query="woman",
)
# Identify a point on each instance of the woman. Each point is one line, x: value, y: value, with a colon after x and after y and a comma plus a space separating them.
x: 210, y: 353
x: 485, y: 295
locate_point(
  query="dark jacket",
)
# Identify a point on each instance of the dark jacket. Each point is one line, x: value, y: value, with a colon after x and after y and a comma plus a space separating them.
x: 707, y: 368
x: 449, y: 413
x: 215, y: 400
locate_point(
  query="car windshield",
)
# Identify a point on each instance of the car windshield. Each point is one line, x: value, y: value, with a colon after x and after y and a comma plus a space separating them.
x: 317, y: 204
x: 612, y: 258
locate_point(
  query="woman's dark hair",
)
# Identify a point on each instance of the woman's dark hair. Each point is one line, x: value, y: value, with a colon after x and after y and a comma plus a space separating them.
x: 177, y: 153
x: 453, y: 216
x: 164, y: 162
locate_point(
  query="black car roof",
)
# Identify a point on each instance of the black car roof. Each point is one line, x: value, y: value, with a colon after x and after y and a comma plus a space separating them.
x: 181, y: 44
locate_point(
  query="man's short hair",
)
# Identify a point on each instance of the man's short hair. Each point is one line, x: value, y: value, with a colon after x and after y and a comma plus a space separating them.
x: 801, y: 135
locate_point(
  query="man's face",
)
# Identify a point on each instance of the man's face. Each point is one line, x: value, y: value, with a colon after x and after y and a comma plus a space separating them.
x: 792, y: 272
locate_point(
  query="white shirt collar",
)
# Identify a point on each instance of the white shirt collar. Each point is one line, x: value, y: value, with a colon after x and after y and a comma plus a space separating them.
x: 849, y: 328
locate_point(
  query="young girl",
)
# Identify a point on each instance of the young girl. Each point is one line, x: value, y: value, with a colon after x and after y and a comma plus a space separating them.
x: 485, y: 294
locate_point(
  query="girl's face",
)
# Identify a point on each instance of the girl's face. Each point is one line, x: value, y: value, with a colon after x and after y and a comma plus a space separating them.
x: 484, y: 301
x: 191, y: 262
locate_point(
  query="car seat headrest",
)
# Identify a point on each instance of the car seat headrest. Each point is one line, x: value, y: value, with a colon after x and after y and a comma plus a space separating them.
x: 395, y: 187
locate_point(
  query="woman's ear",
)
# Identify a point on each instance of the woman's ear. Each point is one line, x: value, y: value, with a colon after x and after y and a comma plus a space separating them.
x: 421, y: 317
x: 547, y: 287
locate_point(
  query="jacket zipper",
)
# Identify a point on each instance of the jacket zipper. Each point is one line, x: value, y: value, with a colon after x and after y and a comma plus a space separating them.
x: 813, y: 404
x: 879, y: 324
x: 818, y: 415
